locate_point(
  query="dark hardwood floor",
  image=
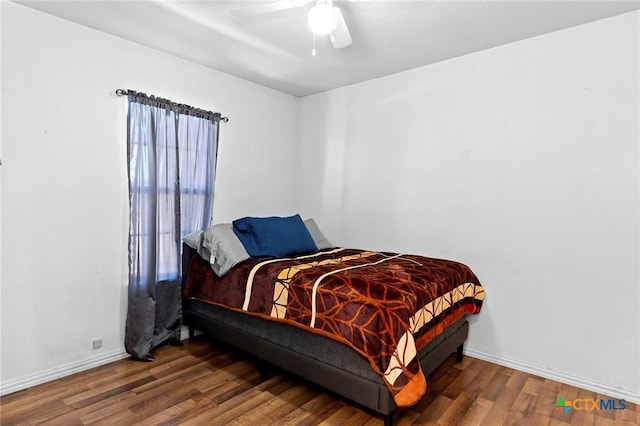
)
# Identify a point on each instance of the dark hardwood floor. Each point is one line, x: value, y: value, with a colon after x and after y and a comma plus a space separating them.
x: 206, y: 383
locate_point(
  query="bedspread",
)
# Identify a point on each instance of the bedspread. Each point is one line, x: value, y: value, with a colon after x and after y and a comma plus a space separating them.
x: 386, y: 306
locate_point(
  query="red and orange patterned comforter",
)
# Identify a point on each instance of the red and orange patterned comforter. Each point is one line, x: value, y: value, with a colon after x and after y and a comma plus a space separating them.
x: 386, y: 306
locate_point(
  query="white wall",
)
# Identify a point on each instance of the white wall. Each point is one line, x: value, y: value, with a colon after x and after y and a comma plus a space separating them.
x: 64, y: 188
x: 520, y: 161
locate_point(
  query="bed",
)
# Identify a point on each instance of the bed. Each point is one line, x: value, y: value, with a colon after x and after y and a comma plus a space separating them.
x: 367, y: 325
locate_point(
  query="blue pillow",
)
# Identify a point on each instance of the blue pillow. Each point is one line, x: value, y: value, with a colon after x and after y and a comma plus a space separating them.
x: 267, y: 237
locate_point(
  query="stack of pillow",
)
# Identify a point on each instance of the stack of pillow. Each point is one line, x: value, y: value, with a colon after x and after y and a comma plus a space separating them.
x: 225, y: 245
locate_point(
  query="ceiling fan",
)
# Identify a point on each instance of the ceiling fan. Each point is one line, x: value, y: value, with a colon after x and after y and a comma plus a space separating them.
x: 323, y: 18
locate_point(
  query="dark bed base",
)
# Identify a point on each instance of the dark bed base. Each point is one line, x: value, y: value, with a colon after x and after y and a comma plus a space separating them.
x: 320, y: 360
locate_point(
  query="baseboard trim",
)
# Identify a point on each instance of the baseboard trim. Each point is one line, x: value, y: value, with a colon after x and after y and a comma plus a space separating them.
x: 48, y: 375
x: 579, y: 382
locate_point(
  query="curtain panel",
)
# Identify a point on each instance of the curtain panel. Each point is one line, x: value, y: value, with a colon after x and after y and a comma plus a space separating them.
x: 171, y: 153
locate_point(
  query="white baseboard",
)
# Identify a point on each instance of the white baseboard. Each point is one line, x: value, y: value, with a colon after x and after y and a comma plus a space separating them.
x: 184, y: 333
x: 614, y: 392
x: 54, y: 373
x: 44, y: 376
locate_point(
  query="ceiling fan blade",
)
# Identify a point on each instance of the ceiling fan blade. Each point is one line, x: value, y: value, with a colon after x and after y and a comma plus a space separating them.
x: 341, y: 36
x: 268, y: 7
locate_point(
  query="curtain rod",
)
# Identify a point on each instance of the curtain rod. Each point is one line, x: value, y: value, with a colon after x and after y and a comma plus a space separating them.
x: 123, y: 92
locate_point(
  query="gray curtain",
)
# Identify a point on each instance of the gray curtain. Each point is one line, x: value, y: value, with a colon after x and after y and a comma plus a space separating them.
x: 172, y: 153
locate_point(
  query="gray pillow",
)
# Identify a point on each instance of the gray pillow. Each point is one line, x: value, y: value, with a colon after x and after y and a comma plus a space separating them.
x: 193, y: 240
x: 224, y: 248
x: 316, y: 234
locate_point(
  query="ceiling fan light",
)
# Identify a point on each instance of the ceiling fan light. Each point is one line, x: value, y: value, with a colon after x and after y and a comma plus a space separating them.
x: 322, y: 18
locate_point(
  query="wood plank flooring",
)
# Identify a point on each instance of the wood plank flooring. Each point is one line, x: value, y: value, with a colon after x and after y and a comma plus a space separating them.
x: 205, y: 382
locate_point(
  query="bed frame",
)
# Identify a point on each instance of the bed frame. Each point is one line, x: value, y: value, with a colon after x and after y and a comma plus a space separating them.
x: 313, y: 357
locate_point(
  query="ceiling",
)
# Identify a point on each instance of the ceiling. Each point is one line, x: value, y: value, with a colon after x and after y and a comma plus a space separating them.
x: 274, y: 49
